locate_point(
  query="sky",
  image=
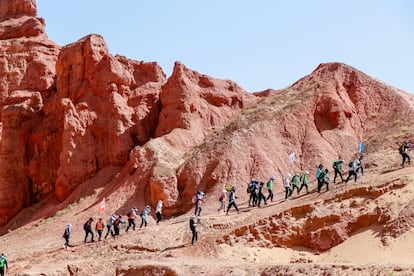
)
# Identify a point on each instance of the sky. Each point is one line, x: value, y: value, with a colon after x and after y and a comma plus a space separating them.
x: 258, y: 44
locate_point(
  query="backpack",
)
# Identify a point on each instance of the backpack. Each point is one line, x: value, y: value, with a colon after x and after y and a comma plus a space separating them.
x: 129, y: 214
x: 194, y: 198
x: 401, y: 149
x: 351, y: 164
x: 85, y: 226
x: 249, y: 189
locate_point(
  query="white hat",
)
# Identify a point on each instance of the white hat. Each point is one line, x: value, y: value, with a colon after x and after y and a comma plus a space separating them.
x: 306, y: 172
x: 69, y: 225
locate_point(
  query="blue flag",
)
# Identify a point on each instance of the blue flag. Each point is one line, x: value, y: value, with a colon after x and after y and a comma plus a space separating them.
x: 361, y: 147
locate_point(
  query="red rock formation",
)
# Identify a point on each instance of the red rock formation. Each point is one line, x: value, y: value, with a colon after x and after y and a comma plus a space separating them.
x: 27, y: 74
x: 68, y: 113
x: 16, y: 8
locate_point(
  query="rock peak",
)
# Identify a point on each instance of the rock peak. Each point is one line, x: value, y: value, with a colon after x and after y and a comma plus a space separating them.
x: 16, y: 8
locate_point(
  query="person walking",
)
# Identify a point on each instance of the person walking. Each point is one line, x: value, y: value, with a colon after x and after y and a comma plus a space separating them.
x: 144, y: 214
x: 3, y: 263
x: 99, y: 227
x: 261, y: 194
x: 88, y: 229
x: 353, y: 165
x: 337, y: 166
x: 117, y: 224
x: 222, y: 198
x: 109, y: 225
x: 404, y: 148
x: 253, y: 192
x: 323, y: 179
x: 304, y: 181
x: 269, y: 186
x: 198, y: 202
x: 193, y: 228
x: 232, y: 200
x: 319, y: 170
x: 286, y: 184
x: 131, y: 219
x: 295, y: 183
x: 158, y: 211
x: 360, y: 166
x: 66, y: 235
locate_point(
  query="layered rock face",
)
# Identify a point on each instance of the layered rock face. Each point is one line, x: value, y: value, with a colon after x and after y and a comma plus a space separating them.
x: 69, y: 113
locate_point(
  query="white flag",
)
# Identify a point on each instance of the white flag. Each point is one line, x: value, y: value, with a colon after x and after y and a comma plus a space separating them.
x: 292, y: 157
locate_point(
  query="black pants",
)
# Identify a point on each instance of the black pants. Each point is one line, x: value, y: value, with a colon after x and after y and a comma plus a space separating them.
x: 351, y: 173
x: 158, y: 214
x: 404, y: 157
x: 270, y: 196
x: 99, y: 234
x: 143, y: 222
x: 67, y: 241
x: 87, y: 232
x: 131, y: 222
x: 109, y: 231
x: 303, y: 185
x: 252, y: 199
x: 338, y: 172
x: 262, y: 197
x: 288, y: 192
x: 233, y: 203
x: 116, y: 231
x: 320, y: 185
x: 293, y: 189
x: 2, y: 271
x: 195, y: 235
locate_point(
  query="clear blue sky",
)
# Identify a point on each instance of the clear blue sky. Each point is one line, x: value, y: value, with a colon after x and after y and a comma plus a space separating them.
x: 258, y: 44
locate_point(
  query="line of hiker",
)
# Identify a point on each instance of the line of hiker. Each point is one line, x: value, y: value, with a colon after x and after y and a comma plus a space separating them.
x: 113, y: 224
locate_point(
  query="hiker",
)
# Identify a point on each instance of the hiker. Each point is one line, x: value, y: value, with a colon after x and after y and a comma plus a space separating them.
x: 318, y: 172
x: 158, y: 211
x: 144, y: 214
x: 3, y: 262
x: 116, y: 224
x: 193, y: 228
x: 337, y: 166
x: 323, y: 179
x: 295, y: 183
x: 353, y: 165
x: 199, y: 198
x: 360, y: 166
x: 131, y: 218
x: 99, y: 227
x: 110, y: 222
x: 222, y: 198
x: 66, y: 235
x: 88, y: 230
x: 269, y: 186
x: 261, y: 195
x: 404, y: 148
x: 232, y: 200
x: 286, y: 184
x: 252, y: 189
x: 304, y: 181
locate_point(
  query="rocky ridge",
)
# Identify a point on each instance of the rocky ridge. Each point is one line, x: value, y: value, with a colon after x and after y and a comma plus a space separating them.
x: 79, y: 125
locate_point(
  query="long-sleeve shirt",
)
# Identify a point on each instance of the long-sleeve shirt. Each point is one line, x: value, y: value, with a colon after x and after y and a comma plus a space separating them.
x: 287, y: 181
x: 158, y: 209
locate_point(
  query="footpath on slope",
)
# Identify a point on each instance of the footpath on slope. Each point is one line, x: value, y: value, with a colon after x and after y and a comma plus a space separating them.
x: 236, y: 242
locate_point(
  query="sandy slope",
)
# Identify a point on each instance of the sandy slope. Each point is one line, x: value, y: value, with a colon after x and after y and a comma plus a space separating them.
x: 36, y: 248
